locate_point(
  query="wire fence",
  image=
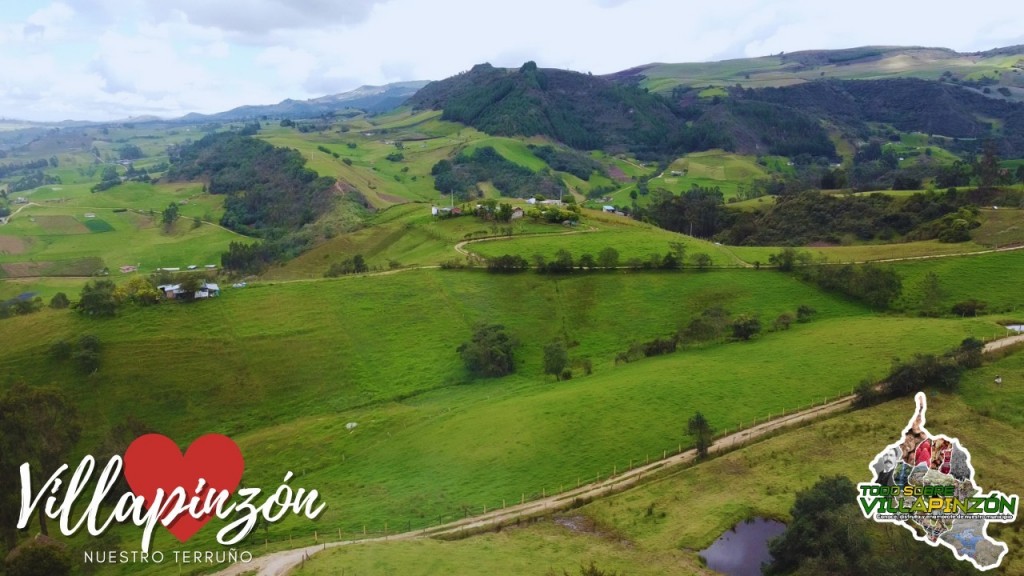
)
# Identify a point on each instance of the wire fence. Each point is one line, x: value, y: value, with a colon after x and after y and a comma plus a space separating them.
x: 468, y: 519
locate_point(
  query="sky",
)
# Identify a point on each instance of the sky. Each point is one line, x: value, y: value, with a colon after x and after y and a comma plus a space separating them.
x: 115, y: 59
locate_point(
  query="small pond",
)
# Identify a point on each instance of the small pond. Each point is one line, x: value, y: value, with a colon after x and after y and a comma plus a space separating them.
x: 741, y: 550
x: 1016, y: 327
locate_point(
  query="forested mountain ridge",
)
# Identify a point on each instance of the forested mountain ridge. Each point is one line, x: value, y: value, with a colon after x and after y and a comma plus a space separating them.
x: 581, y: 110
x: 616, y: 114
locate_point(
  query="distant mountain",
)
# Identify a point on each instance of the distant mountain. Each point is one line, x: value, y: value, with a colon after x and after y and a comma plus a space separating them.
x: 1000, y: 70
x: 368, y: 98
x: 666, y: 109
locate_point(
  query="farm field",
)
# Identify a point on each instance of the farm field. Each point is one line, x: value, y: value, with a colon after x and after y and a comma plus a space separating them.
x: 686, y: 510
x: 322, y: 354
x: 630, y: 238
x: 354, y: 383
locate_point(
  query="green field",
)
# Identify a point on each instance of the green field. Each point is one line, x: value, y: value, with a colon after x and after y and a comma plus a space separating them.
x: 692, y: 507
x: 380, y: 352
x: 630, y: 238
x: 731, y: 173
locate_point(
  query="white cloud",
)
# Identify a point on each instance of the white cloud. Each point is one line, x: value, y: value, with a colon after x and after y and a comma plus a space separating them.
x: 114, y: 58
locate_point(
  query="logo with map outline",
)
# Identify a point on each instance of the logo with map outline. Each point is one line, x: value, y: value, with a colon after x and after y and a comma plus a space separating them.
x: 927, y: 485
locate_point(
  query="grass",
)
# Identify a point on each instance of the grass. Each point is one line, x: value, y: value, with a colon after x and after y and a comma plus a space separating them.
x: 380, y: 352
x: 405, y: 234
x: 55, y: 238
x: 545, y: 548
x: 1002, y: 227
x: 630, y: 238
x: 864, y: 252
x: 986, y: 277
x: 729, y: 172
x: 692, y: 507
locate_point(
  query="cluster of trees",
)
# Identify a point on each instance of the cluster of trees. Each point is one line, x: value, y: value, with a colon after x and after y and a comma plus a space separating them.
x: 489, y: 352
x: 579, y: 165
x: 811, y: 216
x: 102, y: 297
x: 8, y: 169
x: 85, y: 353
x: 353, y: 265
x: 907, y: 377
x: 269, y: 191
x: 829, y: 535
x: 877, y: 286
x: 20, y: 306
x: 711, y: 325
x: 461, y: 175
x: 698, y: 212
x: 32, y: 180
x: 563, y: 262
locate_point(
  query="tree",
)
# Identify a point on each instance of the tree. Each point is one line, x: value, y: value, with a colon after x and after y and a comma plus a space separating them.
x: 556, y: 358
x: 130, y: 152
x: 825, y: 526
x: 87, y: 354
x: 805, y: 313
x: 43, y: 557
x: 987, y: 168
x: 969, y: 353
x: 489, y: 352
x: 43, y: 427
x: 137, y: 290
x: 608, y: 258
x: 970, y: 307
x: 702, y: 433
x: 745, y: 327
x: 170, y: 215
x: 59, y: 301
x: 702, y: 260
x: 784, y: 321
x: 97, y: 299
x: 678, y: 250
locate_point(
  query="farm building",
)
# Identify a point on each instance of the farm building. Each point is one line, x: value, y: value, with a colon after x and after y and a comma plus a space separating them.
x: 175, y: 291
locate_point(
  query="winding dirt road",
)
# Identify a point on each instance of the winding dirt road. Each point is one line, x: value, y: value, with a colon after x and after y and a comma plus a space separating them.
x: 280, y: 563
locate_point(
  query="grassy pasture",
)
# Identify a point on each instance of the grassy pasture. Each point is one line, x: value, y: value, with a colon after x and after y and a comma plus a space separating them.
x: 692, y: 507
x: 863, y: 252
x: 714, y: 168
x: 632, y: 239
x: 284, y: 382
x: 991, y: 278
x: 406, y: 234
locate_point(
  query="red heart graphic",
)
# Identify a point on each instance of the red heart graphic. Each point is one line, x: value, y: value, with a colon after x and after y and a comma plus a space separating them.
x: 154, y: 462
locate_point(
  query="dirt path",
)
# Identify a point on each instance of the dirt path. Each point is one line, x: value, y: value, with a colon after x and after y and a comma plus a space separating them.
x: 280, y: 563
x: 461, y: 246
x: 6, y: 219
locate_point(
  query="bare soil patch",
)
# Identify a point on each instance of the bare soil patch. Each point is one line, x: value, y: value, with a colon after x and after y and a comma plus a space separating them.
x: 61, y: 225
x: 13, y: 245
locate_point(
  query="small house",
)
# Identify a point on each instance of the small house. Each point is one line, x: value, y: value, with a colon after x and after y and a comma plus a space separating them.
x: 610, y: 209
x: 517, y: 213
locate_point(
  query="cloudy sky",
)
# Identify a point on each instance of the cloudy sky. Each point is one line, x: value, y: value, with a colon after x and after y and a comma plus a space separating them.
x: 111, y: 59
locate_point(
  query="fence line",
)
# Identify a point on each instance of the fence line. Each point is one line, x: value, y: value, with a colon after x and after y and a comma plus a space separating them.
x: 384, y: 529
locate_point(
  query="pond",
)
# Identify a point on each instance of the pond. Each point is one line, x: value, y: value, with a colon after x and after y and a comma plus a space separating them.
x: 1016, y: 327
x: 741, y: 550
